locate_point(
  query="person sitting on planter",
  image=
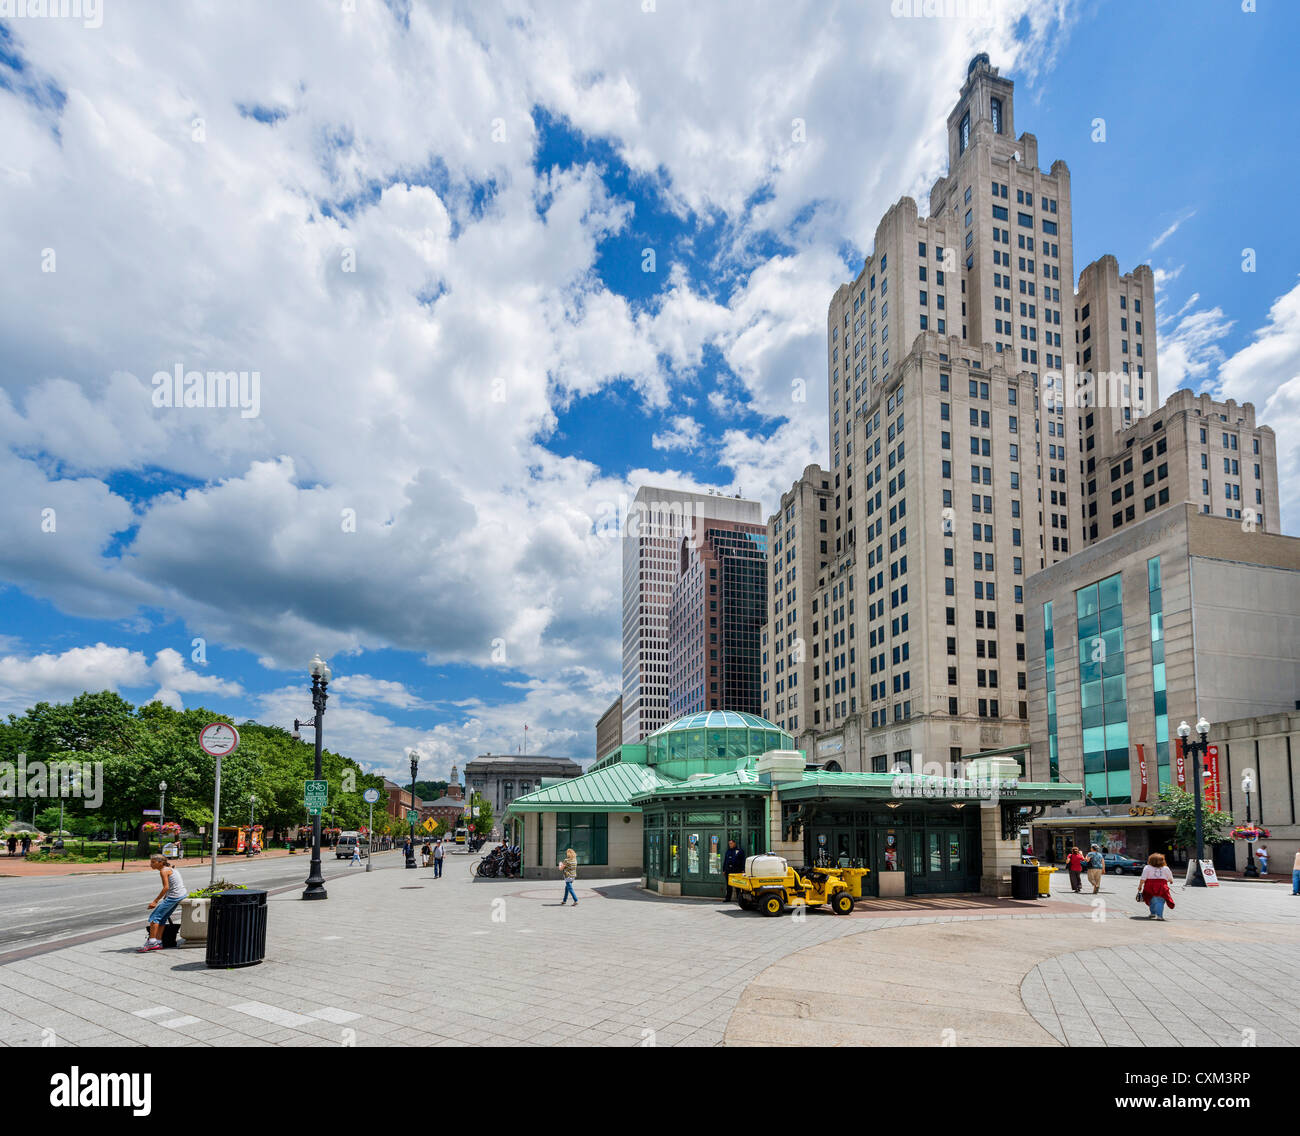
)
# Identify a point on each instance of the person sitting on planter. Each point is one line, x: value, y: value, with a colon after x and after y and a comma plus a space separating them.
x: 173, y: 891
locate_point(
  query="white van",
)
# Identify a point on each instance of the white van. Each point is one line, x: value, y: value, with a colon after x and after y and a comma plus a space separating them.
x: 349, y: 842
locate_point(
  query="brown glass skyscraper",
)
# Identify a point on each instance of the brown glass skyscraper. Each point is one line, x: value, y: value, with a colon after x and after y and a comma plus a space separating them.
x: 717, y: 609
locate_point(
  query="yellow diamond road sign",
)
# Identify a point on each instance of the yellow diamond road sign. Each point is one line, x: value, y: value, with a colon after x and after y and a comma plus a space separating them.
x: 430, y: 824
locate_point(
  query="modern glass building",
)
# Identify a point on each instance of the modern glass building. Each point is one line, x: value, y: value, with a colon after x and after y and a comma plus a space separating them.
x: 719, y: 604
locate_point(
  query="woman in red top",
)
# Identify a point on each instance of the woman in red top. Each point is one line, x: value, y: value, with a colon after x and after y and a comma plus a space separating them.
x: 1074, y: 865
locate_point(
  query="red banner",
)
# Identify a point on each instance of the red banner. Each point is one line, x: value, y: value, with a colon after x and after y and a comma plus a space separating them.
x: 1212, y: 781
x: 1180, y: 764
x: 1142, y: 774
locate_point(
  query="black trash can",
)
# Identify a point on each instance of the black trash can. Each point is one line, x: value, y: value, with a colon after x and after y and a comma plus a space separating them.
x: 1024, y: 881
x: 237, y: 928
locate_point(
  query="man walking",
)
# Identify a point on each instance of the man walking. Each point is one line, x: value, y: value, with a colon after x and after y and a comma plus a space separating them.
x: 1261, y: 855
x: 437, y: 860
x: 733, y: 860
x: 1096, y: 868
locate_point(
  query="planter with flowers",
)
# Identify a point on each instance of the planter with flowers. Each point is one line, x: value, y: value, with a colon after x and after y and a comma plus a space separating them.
x: 1250, y: 832
x: 194, y: 910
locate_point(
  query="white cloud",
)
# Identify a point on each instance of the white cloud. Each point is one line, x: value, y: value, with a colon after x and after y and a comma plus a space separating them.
x: 395, y: 490
x: 684, y: 435
x: 27, y: 679
x: 1267, y: 372
x: 1177, y: 222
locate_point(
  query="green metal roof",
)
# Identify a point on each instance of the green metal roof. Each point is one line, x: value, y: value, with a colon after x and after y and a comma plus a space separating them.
x: 743, y: 780
x: 604, y: 789
x: 718, y: 720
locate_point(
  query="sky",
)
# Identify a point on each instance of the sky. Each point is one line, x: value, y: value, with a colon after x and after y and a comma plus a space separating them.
x: 488, y: 268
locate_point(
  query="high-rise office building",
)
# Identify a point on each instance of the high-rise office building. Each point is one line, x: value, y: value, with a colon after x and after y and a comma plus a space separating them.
x: 655, y: 524
x: 968, y: 443
x: 718, y: 607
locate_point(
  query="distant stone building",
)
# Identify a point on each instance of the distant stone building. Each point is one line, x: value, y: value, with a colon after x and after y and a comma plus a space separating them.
x: 501, y: 777
x: 450, y: 807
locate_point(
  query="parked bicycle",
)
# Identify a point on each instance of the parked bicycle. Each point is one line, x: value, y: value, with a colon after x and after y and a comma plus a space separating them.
x: 503, y: 862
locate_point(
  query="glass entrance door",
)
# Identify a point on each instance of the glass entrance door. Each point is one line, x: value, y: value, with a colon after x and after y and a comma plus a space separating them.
x: 943, y: 861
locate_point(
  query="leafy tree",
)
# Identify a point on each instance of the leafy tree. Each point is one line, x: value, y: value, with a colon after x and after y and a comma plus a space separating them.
x: 1181, y: 805
x: 484, y: 821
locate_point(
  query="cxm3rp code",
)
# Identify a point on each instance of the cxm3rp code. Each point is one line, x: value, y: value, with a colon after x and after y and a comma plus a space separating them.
x: 75, y: 1089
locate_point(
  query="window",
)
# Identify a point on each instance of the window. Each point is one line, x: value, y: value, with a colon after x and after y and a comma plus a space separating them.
x: 995, y: 112
x: 586, y: 833
x: 963, y: 138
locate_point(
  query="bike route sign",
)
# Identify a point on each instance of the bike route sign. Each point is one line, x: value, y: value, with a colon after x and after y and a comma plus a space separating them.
x: 316, y: 796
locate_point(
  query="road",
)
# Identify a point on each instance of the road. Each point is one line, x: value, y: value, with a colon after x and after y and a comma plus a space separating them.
x: 45, y: 909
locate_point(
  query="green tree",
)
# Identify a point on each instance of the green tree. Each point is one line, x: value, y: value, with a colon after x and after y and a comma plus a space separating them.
x: 1181, y: 805
x: 484, y: 821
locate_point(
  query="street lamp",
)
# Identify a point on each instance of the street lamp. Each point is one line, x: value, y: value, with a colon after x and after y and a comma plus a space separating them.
x: 320, y: 680
x: 410, y: 848
x: 162, y: 809
x: 248, y: 844
x: 1247, y: 784
x: 1197, y: 749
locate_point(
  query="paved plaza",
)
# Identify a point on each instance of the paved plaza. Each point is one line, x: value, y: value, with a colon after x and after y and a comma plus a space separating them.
x: 396, y: 957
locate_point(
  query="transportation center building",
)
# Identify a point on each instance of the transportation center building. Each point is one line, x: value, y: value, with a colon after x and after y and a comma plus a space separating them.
x: 666, y: 808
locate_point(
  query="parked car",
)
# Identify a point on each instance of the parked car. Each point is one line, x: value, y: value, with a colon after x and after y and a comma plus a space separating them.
x: 1119, y: 865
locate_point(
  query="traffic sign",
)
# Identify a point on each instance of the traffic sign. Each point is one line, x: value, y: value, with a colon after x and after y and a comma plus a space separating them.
x: 219, y: 739
x: 412, y: 816
x: 430, y: 824
x: 316, y: 796
x: 151, y: 812
x: 471, y: 828
x: 370, y: 796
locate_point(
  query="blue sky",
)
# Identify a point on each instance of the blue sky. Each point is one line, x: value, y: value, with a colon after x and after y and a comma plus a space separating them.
x: 428, y: 237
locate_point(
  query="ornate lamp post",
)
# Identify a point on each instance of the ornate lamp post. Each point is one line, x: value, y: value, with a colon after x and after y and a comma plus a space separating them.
x: 1247, y: 784
x: 410, y: 848
x: 1197, y: 749
x: 320, y: 680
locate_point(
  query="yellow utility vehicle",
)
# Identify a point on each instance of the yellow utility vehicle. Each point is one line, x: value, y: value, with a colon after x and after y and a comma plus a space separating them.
x: 768, y: 884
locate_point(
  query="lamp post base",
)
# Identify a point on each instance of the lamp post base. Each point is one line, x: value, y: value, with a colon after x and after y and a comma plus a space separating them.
x: 315, y: 881
x: 315, y: 891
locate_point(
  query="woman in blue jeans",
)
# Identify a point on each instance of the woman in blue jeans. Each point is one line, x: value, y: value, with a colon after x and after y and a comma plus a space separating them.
x: 569, y: 866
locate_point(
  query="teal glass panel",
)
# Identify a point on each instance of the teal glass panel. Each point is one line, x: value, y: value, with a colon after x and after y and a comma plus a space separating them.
x: 1047, y: 615
x: 1153, y: 573
x: 737, y: 743
x: 1113, y: 641
x: 1120, y: 787
x: 1117, y: 745
x: 1095, y: 785
x: 1109, y: 591
x: 1158, y: 678
x: 1086, y: 601
x: 1094, y: 761
x: 1158, y: 652
x: 1157, y: 626
x: 1114, y: 688
x: 771, y: 741
x: 1114, y: 664
x: 1162, y: 730
x: 1091, y: 716
x: 1051, y: 659
x: 695, y: 745
x: 717, y: 745
x: 1090, y: 694
x: 1094, y: 739
x: 1051, y: 704
x: 1089, y: 627
x: 1111, y: 617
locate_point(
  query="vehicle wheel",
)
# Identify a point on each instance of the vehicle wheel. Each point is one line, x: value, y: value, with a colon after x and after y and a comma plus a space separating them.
x: 744, y: 901
x: 842, y: 903
x: 772, y: 904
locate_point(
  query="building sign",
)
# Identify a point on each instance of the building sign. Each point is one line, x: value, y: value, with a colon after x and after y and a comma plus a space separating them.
x: 830, y: 745
x: 1142, y: 773
x: 1141, y: 811
x: 1180, y: 765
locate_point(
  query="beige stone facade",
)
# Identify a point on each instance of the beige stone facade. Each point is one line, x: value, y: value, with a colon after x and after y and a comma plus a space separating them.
x: 1203, y: 619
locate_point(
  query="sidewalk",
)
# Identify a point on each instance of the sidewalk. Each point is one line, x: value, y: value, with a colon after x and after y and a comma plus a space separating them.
x: 17, y: 866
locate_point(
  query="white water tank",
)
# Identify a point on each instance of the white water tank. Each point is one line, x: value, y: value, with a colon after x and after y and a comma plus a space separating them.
x: 765, y: 866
